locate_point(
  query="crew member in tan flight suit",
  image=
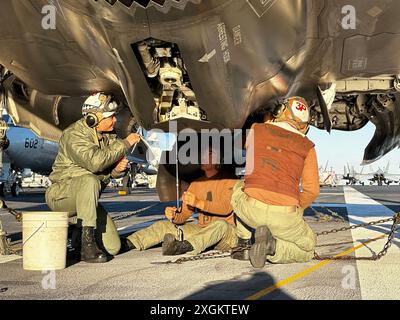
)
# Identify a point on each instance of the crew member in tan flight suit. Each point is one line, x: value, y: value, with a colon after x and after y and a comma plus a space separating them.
x: 209, y: 196
x: 89, y: 155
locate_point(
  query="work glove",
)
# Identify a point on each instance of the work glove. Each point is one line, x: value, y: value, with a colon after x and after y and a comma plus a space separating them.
x: 191, y: 200
x: 170, y: 213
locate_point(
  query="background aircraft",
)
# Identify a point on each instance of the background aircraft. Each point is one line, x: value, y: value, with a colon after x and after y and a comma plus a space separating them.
x: 327, y: 178
x: 26, y: 150
x: 352, y: 177
x: 379, y: 177
x: 382, y: 176
x: 206, y: 63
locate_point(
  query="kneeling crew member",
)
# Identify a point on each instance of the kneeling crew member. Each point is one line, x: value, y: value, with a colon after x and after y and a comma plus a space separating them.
x: 88, y: 156
x: 279, y: 158
x: 210, y: 197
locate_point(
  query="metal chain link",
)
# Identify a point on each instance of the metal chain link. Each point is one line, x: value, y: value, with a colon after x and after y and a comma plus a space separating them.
x: 333, y: 213
x: 374, y: 257
x: 207, y: 256
x: 16, y: 214
x: 5, y: 243
x: 222, y: 254
x: 372, y: 223
x: 130, y: 214
x: 201, y: 256
x: 391, y: 236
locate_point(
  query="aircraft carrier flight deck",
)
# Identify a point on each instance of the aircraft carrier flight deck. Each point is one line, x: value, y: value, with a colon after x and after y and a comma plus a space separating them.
x: 145, y: 275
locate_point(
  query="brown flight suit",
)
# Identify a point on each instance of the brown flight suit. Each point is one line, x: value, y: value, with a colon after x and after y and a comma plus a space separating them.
x: 216, y: 224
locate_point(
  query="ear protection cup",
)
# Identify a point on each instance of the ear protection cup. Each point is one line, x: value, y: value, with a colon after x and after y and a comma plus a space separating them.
x: 280, y: 108
x: 93, y: 119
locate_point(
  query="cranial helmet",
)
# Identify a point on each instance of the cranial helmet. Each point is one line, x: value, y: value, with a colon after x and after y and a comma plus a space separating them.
x: 97, y: 107
x: 100, y: 102
x: 295, y: 111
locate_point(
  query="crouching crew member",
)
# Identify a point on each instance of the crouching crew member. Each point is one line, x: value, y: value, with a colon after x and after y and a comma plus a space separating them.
x: 209, y: 196
x: 88, y: 156
x: 279, y: 158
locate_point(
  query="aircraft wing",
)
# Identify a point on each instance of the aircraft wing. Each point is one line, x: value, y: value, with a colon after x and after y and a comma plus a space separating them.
x: 393, y: 178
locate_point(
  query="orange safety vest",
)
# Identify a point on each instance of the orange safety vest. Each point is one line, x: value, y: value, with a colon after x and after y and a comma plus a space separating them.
x: 276, y: 159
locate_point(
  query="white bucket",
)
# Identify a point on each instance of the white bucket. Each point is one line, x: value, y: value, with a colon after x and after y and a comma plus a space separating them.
x: 44, y: 236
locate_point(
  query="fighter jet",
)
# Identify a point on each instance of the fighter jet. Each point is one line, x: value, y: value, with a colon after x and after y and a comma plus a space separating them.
x: 22, y: 151
x: 381, y: 177
x: 205, y: 63
x: 327, y: 178
x: 352, y: 177
x: 26, y: 150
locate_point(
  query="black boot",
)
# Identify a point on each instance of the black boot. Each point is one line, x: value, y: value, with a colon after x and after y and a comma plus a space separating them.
x: 76, y: 243
x: 240, y: 253
x: 90, y: 252
x: 264, y: 246
x: 76, y: 239
x: 126, y: 245
x: 172, y: 247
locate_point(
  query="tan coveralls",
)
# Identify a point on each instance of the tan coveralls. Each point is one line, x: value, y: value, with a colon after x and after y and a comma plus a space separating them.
x: 216, y: 224
x: 81, y: 171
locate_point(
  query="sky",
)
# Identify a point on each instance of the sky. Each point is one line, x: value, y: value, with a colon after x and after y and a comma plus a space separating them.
x: 340, y: 148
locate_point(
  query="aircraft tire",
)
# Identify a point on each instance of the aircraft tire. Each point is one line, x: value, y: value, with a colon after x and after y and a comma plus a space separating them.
x: 2, y: 191
x: 126, y: 184
x: 15, y: 190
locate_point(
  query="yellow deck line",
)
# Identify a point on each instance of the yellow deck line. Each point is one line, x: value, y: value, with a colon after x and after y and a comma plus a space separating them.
x: 307, y: 271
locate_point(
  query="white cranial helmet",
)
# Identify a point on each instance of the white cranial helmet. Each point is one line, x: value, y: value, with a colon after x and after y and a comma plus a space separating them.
x: 100, y: 103
x: 299, y: 109
x: 294, y: 110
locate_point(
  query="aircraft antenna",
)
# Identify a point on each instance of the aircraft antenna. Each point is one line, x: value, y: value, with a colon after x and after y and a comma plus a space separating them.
x: 326, y: 165
x: 387, y: 167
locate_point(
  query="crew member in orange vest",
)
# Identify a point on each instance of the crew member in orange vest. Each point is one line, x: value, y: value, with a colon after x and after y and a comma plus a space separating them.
x: 281, y: 180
